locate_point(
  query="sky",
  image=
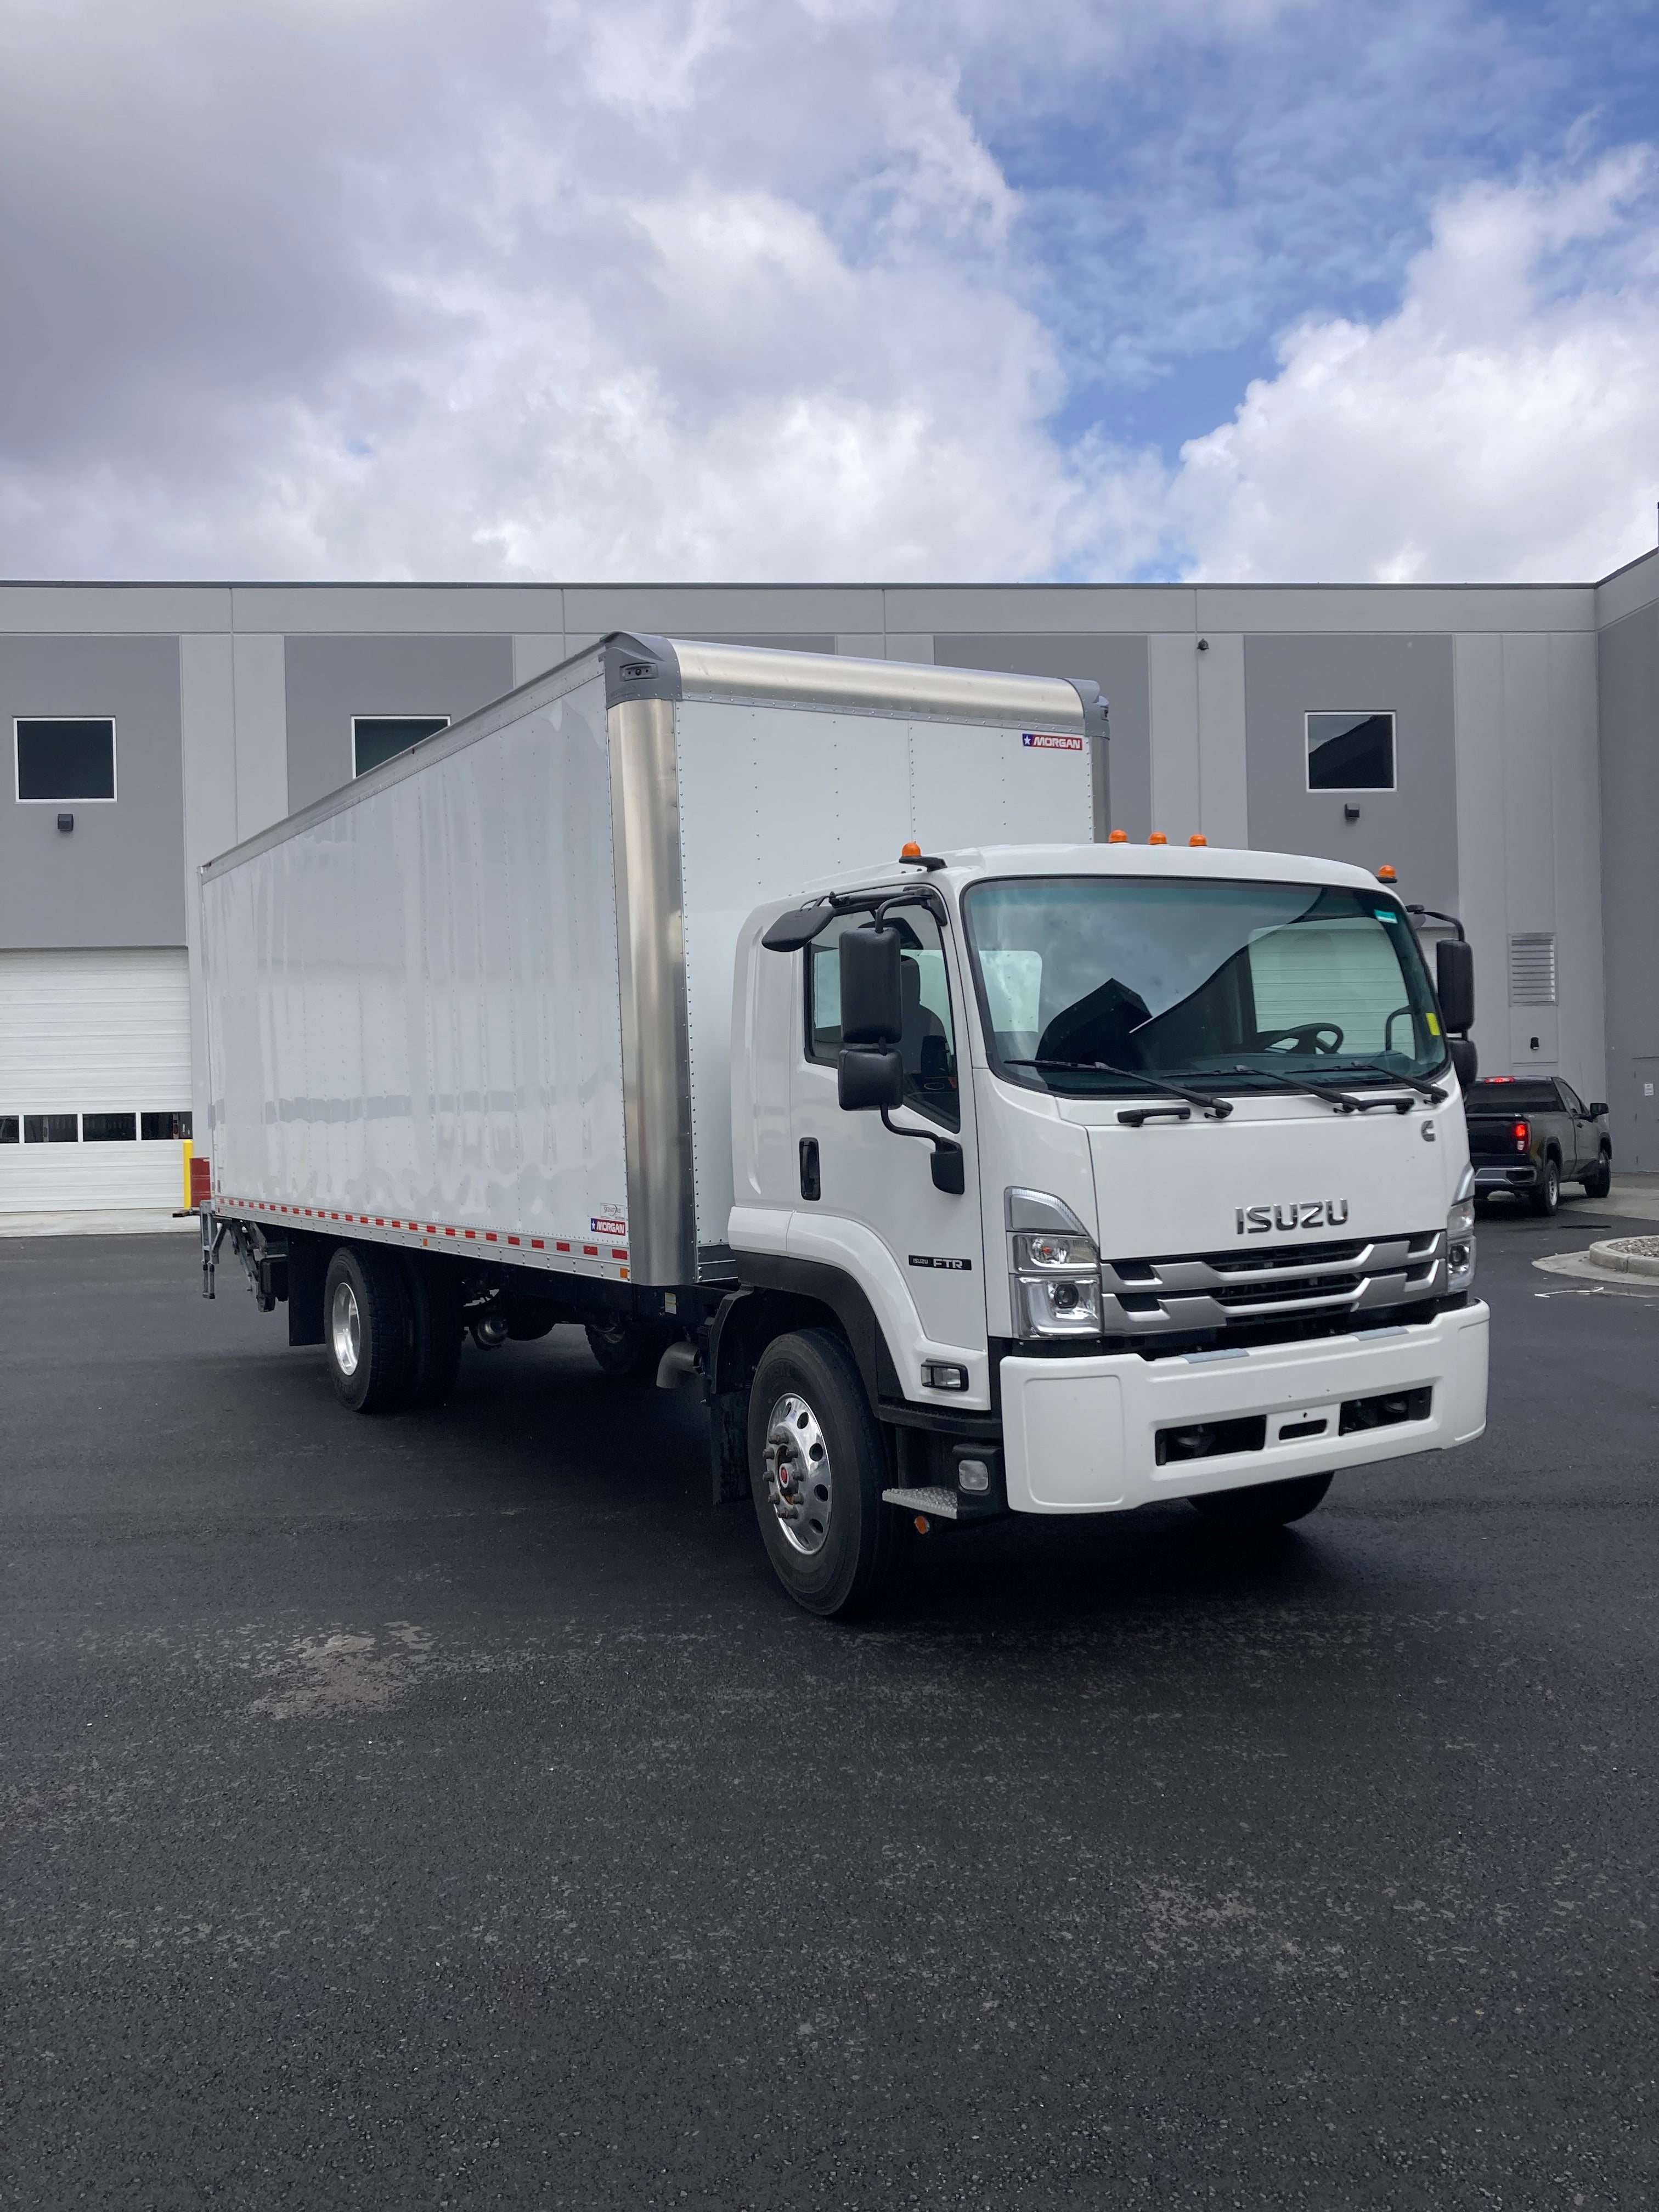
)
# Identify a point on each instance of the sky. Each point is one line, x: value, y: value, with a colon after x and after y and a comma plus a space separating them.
x: 774, y: 290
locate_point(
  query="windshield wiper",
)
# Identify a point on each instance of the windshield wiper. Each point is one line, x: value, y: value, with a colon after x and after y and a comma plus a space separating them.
x: 1431, y: 1092
x: 1218, y: 1108
x: 1344, y: 1101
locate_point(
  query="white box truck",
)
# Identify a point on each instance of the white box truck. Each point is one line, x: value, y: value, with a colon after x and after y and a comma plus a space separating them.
x: 792, y: 1025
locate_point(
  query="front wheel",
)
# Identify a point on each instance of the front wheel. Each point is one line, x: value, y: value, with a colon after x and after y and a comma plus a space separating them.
x: 1546, y: 1193
x: 1599, y: 1181
x: 1264, y: 1505
x: 815, y: 1467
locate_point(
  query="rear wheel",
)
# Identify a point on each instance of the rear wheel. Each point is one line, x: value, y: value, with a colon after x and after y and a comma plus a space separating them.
x: 366, y: 1328
x: 435, y: 1329
x: 1264, y: 1505
x: 1599, y: 1181
x: 1546, y: 1193
x: 815, y: 1467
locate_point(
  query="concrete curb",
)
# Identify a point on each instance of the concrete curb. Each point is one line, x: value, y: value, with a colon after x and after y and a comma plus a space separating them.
x: 1628, y: 1256
x: 1585, y: 1269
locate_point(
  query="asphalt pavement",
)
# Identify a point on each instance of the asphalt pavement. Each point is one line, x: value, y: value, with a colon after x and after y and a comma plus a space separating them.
x: 450, y: 1810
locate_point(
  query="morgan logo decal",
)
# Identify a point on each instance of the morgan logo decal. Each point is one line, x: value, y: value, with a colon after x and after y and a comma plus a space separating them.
x: 607, y: 1225
x: 956, y: 1266
x: 1046, y: 741
x: 1307, y: 1213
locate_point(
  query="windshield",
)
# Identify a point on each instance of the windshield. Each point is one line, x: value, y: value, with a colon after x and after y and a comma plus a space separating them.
x: 1197, y: 981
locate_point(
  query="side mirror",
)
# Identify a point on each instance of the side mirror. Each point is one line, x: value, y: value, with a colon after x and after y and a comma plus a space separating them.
x: 871, y: 1001
x: 1466, y: 1061
x: 1598, y: 1107
x: 867, y: 1080
x: 1454, y: 977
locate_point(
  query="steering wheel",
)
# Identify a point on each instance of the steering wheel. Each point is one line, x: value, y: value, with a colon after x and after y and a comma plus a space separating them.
x: 1306, y: 1039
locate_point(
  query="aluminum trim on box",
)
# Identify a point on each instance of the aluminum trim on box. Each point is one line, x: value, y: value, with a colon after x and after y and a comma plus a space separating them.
x: 645, y: 834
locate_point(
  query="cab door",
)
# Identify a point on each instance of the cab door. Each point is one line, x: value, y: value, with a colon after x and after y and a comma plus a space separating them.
x: 875, y: 1188
x: 1586, y: 1140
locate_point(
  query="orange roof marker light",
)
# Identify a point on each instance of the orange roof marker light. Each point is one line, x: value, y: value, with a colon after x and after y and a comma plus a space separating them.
x: 1198, y: 838
x: 910, y: 850
x: 1385, y: 874
x: 1158, y: 837
x: 1118, y: 837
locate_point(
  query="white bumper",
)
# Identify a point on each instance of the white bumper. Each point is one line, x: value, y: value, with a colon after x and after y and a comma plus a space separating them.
x: 1080, y: 1435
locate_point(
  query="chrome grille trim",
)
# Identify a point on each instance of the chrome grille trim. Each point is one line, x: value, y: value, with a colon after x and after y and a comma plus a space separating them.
x: 1214, y: 1289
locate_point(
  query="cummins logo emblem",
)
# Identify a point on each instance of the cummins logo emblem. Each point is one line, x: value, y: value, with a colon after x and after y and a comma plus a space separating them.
x: 1309, y: 1214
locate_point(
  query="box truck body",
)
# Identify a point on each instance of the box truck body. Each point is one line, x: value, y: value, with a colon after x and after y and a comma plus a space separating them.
x: 1026, y: 1172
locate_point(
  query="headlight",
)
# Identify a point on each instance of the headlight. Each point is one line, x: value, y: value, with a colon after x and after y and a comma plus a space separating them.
x: 1460, y: 1245
x: 1053, y: 1268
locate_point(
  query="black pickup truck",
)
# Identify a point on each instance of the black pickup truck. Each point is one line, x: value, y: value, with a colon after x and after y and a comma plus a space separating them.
x: 1529, y: 1135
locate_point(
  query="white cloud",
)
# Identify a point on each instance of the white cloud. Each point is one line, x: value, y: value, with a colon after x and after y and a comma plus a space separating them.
x: 710, y: 288
x: 1502, y: 424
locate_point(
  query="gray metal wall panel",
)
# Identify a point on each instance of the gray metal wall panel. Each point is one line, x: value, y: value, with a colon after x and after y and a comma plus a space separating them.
x: 417, y: 610
x: 1066, y: 609
x: 1415, y: 825
x: 1628, y: 590
x: 1629, y: 685
x: 119, y: 879
x: 1383, y: 608
x: 775, y: 641
x: 113, y: 610
x: 696, y: 610
x: 330, y: 679
x: 1117, y: 663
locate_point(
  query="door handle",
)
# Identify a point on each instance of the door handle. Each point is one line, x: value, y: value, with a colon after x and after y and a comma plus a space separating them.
x: 811, y: 1184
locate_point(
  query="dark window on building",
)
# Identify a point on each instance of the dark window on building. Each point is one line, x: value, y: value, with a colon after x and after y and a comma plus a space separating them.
x: 1351, y: 752
x: 162, y: 1128
x: 50, y: 1129
x: 377, y: 738
x: 8, y: 1128
x: 64, y: 759
x: 109, y: 1128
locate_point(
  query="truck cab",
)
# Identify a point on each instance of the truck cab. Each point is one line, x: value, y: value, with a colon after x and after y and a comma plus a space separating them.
x: 1090, y: 1176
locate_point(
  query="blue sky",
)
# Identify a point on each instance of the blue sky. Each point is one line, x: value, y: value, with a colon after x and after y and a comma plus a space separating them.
x: 773, y: 288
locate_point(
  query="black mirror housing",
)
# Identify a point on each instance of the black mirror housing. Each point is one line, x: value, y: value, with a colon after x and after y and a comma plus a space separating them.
x: 868, y: 1081
x: 1598, y: 1107
x: 1454, y: 977
x: 871, y: 1001
x: 1466, y: 1061
x: 792, y: 930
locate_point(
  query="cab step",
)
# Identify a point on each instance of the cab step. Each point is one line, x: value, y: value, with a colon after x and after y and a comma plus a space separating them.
x: 939, y: 1504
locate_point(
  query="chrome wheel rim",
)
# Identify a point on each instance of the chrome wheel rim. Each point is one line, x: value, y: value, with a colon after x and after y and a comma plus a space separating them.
x: 346, y: 1328
x: 798, y: 1477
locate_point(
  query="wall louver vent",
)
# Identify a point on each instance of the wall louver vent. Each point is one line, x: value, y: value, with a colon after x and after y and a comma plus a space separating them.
x: 1531, y: 969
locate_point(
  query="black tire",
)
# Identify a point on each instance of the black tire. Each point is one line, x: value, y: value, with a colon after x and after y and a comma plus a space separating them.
x: 1264, y: 1505
x: 852, y: 1545
x: 366, y: 1335
x: 628, y: 1350
x: 1599, y: 1181
x: 434, y: 1328
x: 1546, y: 1193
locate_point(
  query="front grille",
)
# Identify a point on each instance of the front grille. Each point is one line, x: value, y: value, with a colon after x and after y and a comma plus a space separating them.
x: 1210, y: 1290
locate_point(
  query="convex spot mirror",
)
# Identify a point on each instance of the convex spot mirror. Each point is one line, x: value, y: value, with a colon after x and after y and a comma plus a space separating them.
x: 1454, y: 978
x: 871, y: 996
x: 1466, y: 1063
x: 867, y: 1079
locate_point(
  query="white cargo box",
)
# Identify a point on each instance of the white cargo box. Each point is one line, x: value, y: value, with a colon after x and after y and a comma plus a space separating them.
x: 481, y: 998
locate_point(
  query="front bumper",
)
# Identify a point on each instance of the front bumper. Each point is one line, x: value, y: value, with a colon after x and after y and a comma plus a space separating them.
x: 1517, y: 1178
x: 1080, y: 1436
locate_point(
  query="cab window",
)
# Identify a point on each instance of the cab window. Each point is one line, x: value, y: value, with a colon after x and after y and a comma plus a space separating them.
x: 928, y: 1044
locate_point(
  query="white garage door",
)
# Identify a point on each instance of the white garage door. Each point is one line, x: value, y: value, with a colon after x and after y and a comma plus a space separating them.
x: 94, y: 1079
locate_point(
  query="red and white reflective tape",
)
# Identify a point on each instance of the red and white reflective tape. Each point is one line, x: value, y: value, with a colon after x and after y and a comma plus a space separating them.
x: 611, y: 1258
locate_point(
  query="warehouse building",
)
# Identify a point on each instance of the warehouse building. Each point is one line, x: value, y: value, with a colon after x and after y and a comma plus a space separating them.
x: 1498, y: 745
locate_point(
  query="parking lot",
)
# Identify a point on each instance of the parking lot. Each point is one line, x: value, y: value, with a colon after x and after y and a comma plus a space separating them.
x: 452, y: 1810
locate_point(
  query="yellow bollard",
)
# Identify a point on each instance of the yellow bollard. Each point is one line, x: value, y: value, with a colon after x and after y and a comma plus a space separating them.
x: 189, y: 1148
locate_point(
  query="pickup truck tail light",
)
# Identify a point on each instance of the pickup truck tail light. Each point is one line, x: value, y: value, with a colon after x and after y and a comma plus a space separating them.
x: 1521, y: 1132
